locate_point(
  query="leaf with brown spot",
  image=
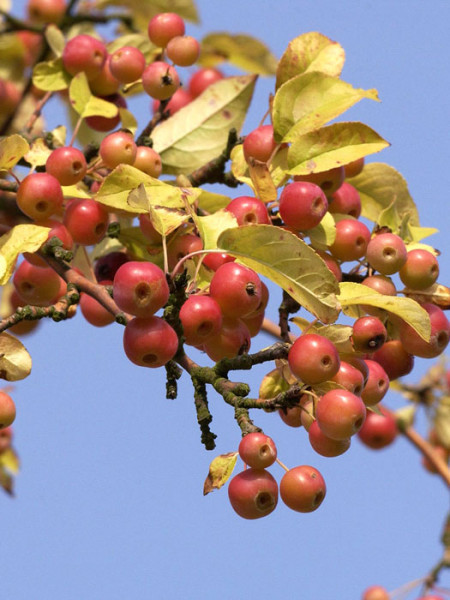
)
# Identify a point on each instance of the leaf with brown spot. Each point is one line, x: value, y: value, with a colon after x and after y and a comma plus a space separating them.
x: 220, y: 471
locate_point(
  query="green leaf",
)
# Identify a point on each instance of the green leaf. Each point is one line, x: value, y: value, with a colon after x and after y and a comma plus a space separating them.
x: 144, y: 10
x: 138, y: 246
x: 287, y: 261
x: 15, y: 362
x: 21, y: 238
x: 84, y: 103
x: 272, y: 384
x: 199, y: 132
x: 116, y: 188
x: 332, y: 146
x: 338, y: 334
x: 419, y: 233
x: 137, y: 40
x: 308, y: 101
x: 165, y: 219
x: 243, y: 51
x: 128, y: 120
x: 55, y: 39
x: 211, y: 226
x: 51, y: 76
x: 211, y: 202
x: 220, y: 471
x: 12, y: 149
x: 324, y: 234
x: 354, y: 295
x: 380, y: 186
x: 310, y: 52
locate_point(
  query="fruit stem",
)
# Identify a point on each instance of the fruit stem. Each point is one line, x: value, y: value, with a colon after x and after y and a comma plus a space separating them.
x: 282, y: 465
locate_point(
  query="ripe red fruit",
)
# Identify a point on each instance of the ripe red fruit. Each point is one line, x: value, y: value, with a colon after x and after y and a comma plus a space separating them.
x: 253, y: 493
x: 39, y: 196
x: 127, y: 64
x: 375, y: 592
x: 324, y: 445
x: 258, y: 450
x: 340, y: 414
x: 160, y: 80
x: 149, y: 342
x: 94, y: 312
x: 420, y: 270
x: 84, y: 53
x: 140, y: 288
x: 329, y: 181
x: 431, y: 597
x: 99, y: 123
x: 202, y: 79
x: 37, y: 286
x: 331, y: 263
x: 237, y: 290
x: 302, y: 205
x: 106, y: 266
x: 104, y: 84
x: 181, y: 246
x: 6, y: 436
x: 381, y: 284
x: 201, y: 318
x: 67, y: 164
x: 313, y: 358
x: 345, y: 201
x: 352, y: 238
x: 377, y: 384
x: 183, y: 50
x: 118, y: 148
x: 180, y: 99
x: 7, y: 410
x: 86, y: 220
x: 249, y: 210
x: 303, y: 489
x: 350, y: 378
x: 440, y: 334
x: 148, y: 161
x: 216, y: 259
x: 394, y: 359
x: 354, y: 168
x: 378, y: 431
x: 259, y: 143
x: 147, y: 228
x: 163, y: 27
x: 46, y: 11
x: 232, y: 339
x: 368, y: 334
x: 386, y: 253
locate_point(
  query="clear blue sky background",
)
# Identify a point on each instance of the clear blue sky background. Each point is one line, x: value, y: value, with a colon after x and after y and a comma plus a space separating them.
x: 109, y: 501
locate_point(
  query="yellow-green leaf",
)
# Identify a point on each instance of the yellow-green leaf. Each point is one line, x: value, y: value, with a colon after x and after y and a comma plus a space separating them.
x: 442, y: 423
x: 338, y: 334
x: 12, y: 149
x: 380, y: 186
x: 419, y: 233
x: 308, y: 101
x: 128, y: 120
x: 21, y: 238
x: 10, y: 461
x: 15, y: 362
x: 437, y: 294
x: 220, y: 471
x: 59, y: 136
x: 244, y: 51
x: 164, y: 218
x: 199, y: 132
x: 116, y: 188
x: 332, y: 146
x: 310, y: 52
x: 263, y: 185
x: 272, y: 384
x: 138, y: 246
x: 324, y: 234
x: 277, y: 167
x: 51, y: 76
x: 287, y: 261
x: 211, y: 202
x: 143, y: 10
x: 354, y: 295
x: 55, y: 39
x: 84, y: 103
x: 211, y: 226
x: 38, y: 153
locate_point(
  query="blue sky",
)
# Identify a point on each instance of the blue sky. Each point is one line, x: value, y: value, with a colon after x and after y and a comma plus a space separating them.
x: 109, y: 501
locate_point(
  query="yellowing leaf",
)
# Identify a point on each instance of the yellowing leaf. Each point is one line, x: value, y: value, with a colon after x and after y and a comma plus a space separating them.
x: 419, y: 233
x: 442, y: 423
x: 244, y: 51
x: 15, y: 362
x: 12, y: 149
x: 272, y: 384
x: 198, y: 132
x: 338, y: 334
x: 59, y: 136
x: 332, y: 146
x: 10, y: 461
x: 138, y: 247
x: 324, y: 234
x: 277, y: 169
x: 38, y: 153
x: 220, y: 471
x: 128, y: 120
x: 211, y: 226
x: 165, y: 219
x: 310, y: 52
x: 264, y: 187
x: 308, y: 101
x: 51, y: 76
x: 115, y: 191
x: 143, y: 10
x: 353, y: 295
x: 211, y: 202
x: 21, y: 238
x: 85, y: 103
x: 287, y: 261
x: 436, y: 294
x: 381, y: 186
x: 55, y: 39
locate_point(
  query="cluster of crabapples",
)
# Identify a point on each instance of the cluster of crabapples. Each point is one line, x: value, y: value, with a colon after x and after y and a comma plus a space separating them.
x: 378, y: 592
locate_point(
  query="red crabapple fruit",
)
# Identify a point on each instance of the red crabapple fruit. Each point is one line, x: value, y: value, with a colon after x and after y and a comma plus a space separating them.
x: 302, y: 205
x: 140, y: 288
x: 149, y: 342
x: 340, y: 414
x: 163, y: 27
x: 303, y: 489
x: 253, y: 493
x: 257, y: 450
x: 313, y: 358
